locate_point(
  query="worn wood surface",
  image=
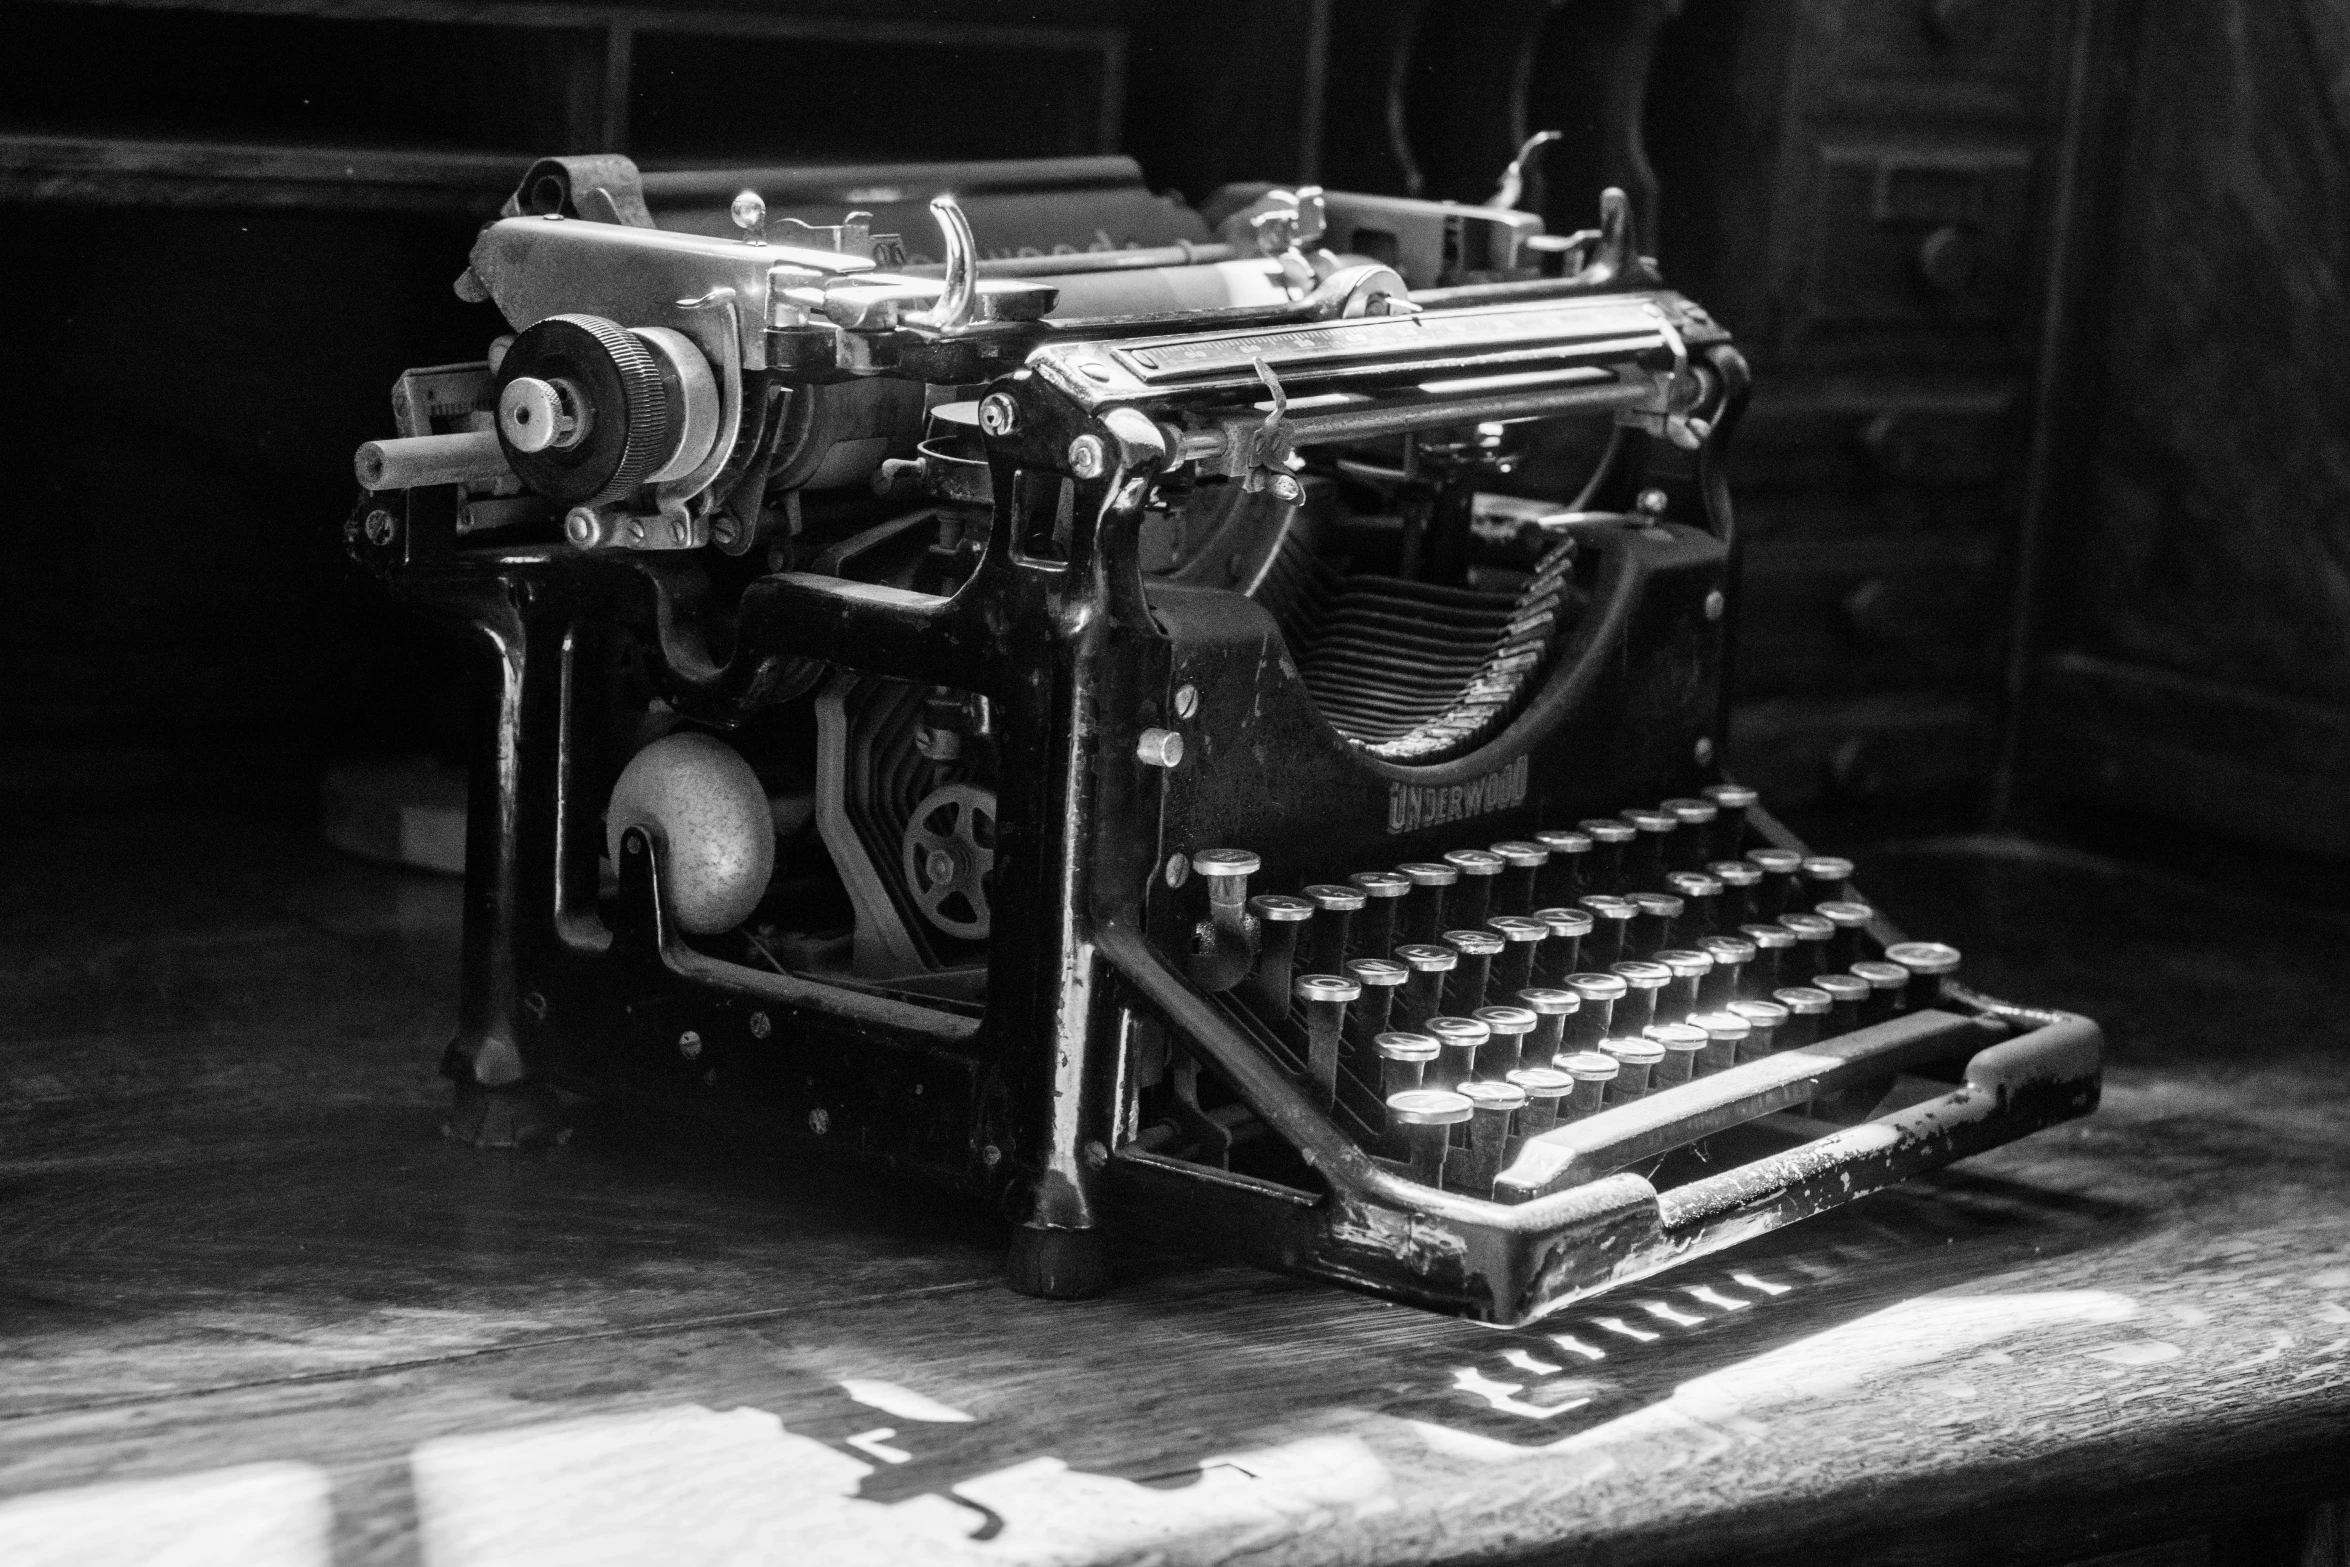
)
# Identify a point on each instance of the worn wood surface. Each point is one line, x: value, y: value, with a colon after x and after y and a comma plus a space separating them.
x: 231, y: 1236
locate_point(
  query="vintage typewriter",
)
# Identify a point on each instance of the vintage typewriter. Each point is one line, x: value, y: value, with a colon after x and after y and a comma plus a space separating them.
x: 1198, y: 722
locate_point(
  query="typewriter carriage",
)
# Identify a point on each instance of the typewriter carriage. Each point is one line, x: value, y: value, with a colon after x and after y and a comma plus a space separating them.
x: 1088, y: 727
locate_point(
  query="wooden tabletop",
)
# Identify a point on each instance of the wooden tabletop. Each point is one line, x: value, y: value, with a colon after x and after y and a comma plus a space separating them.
x: 254, y: 1307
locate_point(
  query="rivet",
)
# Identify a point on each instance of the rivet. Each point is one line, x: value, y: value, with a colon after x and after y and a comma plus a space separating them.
x: 1186, y: 701
x: 1094, y: 370
x: 1651, y: 502
x: 1704, y: 750
x: 991, y: 1156
x: 1178, y: 870
x: 820, y: 1120
x: 579, y: 526
x: 689, y: 1044
x: 1714, y: 604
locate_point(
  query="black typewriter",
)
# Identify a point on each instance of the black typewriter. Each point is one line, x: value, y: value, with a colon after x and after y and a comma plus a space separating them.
x: 1203, y: 723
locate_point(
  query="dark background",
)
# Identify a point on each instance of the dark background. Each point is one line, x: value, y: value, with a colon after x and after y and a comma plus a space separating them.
x: 2044, y: 483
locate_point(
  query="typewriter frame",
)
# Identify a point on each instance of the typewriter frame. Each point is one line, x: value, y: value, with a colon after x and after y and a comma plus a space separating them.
x: 1034, y: 1104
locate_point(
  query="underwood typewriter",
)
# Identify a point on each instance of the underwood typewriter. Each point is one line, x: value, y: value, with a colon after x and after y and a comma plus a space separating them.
x: 1203, y: 722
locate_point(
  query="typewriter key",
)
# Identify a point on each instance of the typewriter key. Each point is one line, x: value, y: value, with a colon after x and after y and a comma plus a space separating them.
x: 1655, y: 916
x: 1740, y: 881
x: 1425, y: 1117
x: 1763, y: 1019
x: 1886, y: 982
x: 1726, y: 1036
x: 1478, y: 949
x: 1811, y: 954
x: 1593, y: 1071
x: 1772, y: 943
x: 1807, y: 1009
x: 1279, y: 918
x: 1563, y: 880
x: 1846, y: 995
x: 1827, y: 876
x: 1471, y: 899
x: 1423, y: 912
x: 1727, y: 981
x: 1594, y: 1020
x: 1546, y: 1088
x: 1689, y: 967
x: 1636, y: 1060
x: 1693, y: 844
x: 1373, y: 1012
x: 1460, y: 1038
x: 1644, y: 983
x: 1929, y: 963
x: 1650, y: 854
x: 1225, y: 959
x: 1515, y: 892
x: 1334, y: 914
x: 1561, y: 953
x: 1323, y: 999
x: 1684, y: 1046
x: 1505, y: 1052
x: 1383, y: 892
x: 1781, y: 872
x: 1611, y: 925
x: 1851, y: 941
x: 1607, y: 870
x: 1492, y: 1107
x: 1522, y: 940
x: 1701, y: 899
x: 1404, y: 1059
x: 1551, y: 1009
x: 1733, y: 801
x: 1422, y: 996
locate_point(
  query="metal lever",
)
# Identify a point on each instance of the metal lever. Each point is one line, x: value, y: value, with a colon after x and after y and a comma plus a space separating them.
x: 958, y: 295
x: 1513, y: 178
x: 1273, y: 464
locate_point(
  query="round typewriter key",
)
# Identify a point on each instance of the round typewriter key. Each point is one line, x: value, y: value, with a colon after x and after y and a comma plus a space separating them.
x: 1561, y: 952
x: 1828, y: 875
x: 1851, y: 919
x: 1478, y: 949
x: 1740, y: 881
x: 1515, y: 893
x: 1423, y: 911
x: 1425, y: 1117
x: 1684, y: 1046
x: 1551, y: 1009
x: 1649, y: 855
x: 1689, y: 967
x: 1644, y: 982
x: 1731, y: 954
x: 1655, y: 916
x: 1726, y: 1035
x: 1279, y: 917
x: 1781, y: 871
x: 1226, y: 871
x: 1505, y: 1052
x: 1563, y: 879
x: 1701, y: 903
x: 1733, y: 801
x: 1610, y: 838
x: 1807, y: 1008
x: 1810, y: 954
x: 1493, y: 1107
x: 1545, y: 1088
x: 1772, y: 943
x: 1592, y: 1071
x: 1762, y: 1027
x: 1594, y: 1020
x: 1636, y: 1060
x: 1323, y: 999
x: 1929, y: 963
x: 1471, y: 899
x: 1846, y: 995
x: 1522, y: 940
x: 1886, y: 982
x: 1461, y: 1038
x: 1374, y: 1011
x: 1422, y: 996
x: 1611, y: 925
x: 1693, y: 844
x: 1334, y: 914
x: 1404, y: 1059
x: 1383, y: 893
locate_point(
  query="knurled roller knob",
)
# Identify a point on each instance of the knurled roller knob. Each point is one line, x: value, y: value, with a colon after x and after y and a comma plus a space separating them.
x: 628, y: 415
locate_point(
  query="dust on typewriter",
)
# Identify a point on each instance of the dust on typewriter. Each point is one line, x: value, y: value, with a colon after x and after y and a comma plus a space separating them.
x: 1204, y: 722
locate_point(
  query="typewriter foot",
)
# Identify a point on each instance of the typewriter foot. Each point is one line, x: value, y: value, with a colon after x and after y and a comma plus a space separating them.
x: 1056, y: 1264
x: 525, y: 1115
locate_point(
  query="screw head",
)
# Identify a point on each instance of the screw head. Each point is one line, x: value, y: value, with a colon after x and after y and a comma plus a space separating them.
x: 820, y: 1120
x: 1178, y: 870
x: 998, y: 414
x: 991, y: 1156
x: 1088, y: 457
x: 380, y: 527
x: 1651, y: 502
x: 749, y: 211
x: 761, y: 1025
x: 1186, y: 701
x: 677, y: 530
x: 636, y: 530
x: 1703, y: 750
x: 580, y: 527
x: 1096, y: 1156
x: 1286, y: 489
x: 1715, y: 604
x: 689, y: 1044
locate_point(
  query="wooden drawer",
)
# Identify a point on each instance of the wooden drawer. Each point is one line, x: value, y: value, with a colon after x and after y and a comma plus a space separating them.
x: 1901, y: 746
x: 1869, y: 433
x: 1996, y: 57
x: 1869, y: 615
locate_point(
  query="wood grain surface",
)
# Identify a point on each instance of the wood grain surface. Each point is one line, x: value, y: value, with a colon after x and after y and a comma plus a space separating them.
x: 240, y: 1270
